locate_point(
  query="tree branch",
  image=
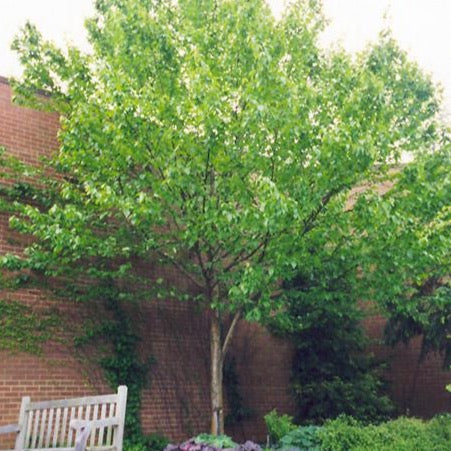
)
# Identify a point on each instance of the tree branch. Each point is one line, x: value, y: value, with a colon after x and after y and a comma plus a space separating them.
x: 181, y: 268
x: 241, y: 258
x: 207, y: 166
x: 202, y: 265
x: 308, y: 223
x: 229, y: 335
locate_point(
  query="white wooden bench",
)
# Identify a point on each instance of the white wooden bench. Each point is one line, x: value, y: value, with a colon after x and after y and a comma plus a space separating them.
x: 91, y: 423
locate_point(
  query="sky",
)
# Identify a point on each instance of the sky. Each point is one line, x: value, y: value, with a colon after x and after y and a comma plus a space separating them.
x: 422, y: 27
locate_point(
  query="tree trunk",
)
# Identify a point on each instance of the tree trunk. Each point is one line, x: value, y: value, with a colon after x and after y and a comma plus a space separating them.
x: 216, y: 394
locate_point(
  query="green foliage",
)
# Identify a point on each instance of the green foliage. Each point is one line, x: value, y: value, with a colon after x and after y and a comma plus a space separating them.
x: 403, y: 434
x: 332, y: 372
x: 207, y: 442
x: 23, y: 329
x: 218, y: 441
x: 278, y: 425
x: 152, y: 442
x: 156, y: 442
x: 135, y: 447
x: 429, y: 317
x: 304, y: 438
x: 204, y: 136
x: 359, y: 396
x: 122, y: 364
x: 199, y: 129
x: 406, y: 259
x: 347, y: 434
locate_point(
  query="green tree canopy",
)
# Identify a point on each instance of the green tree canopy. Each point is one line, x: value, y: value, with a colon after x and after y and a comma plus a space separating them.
x: 205, y: 136
x: 406, y: 252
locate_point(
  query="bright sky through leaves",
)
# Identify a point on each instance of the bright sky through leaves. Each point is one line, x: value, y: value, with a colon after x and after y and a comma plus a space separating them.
x: 421, y: 26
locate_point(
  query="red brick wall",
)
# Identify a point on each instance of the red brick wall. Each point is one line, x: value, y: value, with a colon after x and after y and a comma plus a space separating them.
x: 25, y: 132
x: 417, y: 387
x: 177, y: 401
x: 56, y: 373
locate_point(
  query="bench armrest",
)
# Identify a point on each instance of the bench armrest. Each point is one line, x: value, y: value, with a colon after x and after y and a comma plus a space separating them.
x: 84, y: 428
x: 9, y: 428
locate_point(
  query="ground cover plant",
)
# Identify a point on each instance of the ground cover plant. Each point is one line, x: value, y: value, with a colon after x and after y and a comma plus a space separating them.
x: 402, y: 434
x: 278, y: 426
x: 348, y: 434
x: 207, y: 442
x: 207, y: 138
x: 341, y: 434
x: 152, y: 442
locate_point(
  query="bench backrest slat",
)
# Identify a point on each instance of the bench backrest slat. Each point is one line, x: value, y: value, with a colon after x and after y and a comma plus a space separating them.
x: 56, y: 428
x: 64, y: 425
x: 102, y: 417
x: 28, y: 430
x: 70, y: 433
x: 74, y: 402
x: 34, y: 434
x: 109, y: 428
x: 49, y: 428
x: 95, y: 415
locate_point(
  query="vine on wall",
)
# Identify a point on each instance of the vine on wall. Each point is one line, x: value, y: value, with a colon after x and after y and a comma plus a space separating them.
x: 121, y: 364
x: 23, y: 329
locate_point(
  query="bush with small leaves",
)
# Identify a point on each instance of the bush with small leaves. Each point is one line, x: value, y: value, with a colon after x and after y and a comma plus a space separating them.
x: 402, y: 434
x: 303, y: 438
x: 278, y: 425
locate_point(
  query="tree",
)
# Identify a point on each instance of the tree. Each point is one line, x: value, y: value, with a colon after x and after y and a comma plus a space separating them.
x: 332, y: 372
x: 406, y: 252
x: 207, y: 137
x: 400, y: 245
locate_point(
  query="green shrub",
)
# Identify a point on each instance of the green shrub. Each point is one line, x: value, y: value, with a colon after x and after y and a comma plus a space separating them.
x: 151, y: 442
x: 344, y: 433
x: 156, y: 442
x: 348, y: 434
x: 403, y: 434
x: 332, y: 371
x: 304, y: 438
x: 134, y: 447
x: 440, y: 427
x: 218, y: 441
x: 278, y: 425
